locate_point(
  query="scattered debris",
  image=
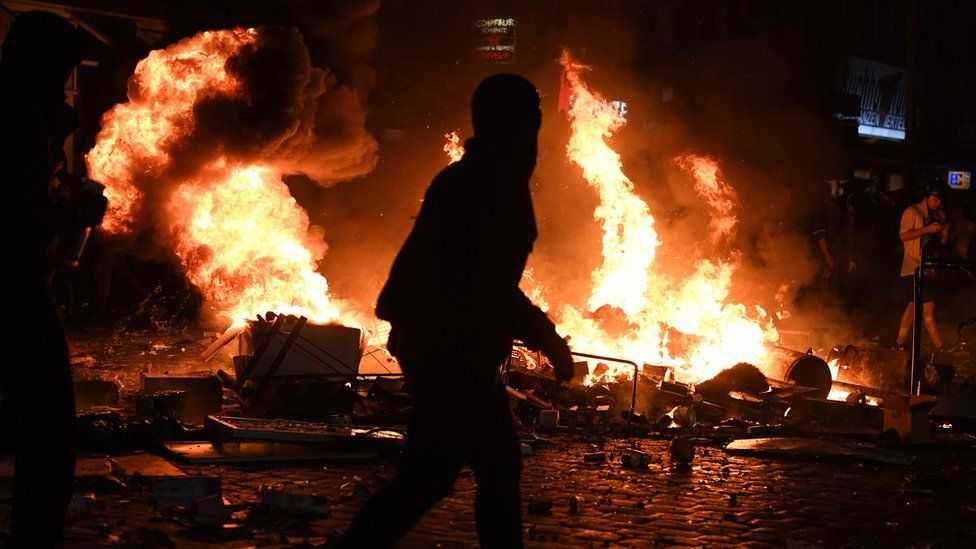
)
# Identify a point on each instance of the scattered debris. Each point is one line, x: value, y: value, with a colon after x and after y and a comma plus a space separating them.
x: 548, y: 420
x: 203, y: 393
x: 90, y: 393
x: 109, y: 431
x: 909, y: 416
x: 183, y: 490
x: 145, y: 466
x: 635, y: 459
x: 812, y: 447
x: 889, y: 438
x: 856, y: 397
x: 682, y: 451
x: 208, y: 453
x: 171, y: 403
x: 276, y: 499
x: 82, y: 360
x: 145, y: 537
x: 331, y: 434
x: 540, y: 508
x: 361, y: 489
x: 595, y: 457
x: 685, y: 416
x: 743, y: 377
x: 209, y: 510
x: 576, y: 504
x: 82, y: 503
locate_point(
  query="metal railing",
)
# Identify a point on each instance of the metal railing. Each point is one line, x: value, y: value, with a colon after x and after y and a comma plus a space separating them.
x: 637, y: 370
x: 967, y: 266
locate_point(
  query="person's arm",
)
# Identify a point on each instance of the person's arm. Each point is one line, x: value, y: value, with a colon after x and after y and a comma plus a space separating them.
x: 821, y: 237
x: 915, y: 234
x: 944, y: 233
x: 534, y: 328
x: 910, y: 229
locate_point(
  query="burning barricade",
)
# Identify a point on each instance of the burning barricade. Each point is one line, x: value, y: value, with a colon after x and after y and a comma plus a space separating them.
x: 672, y: 349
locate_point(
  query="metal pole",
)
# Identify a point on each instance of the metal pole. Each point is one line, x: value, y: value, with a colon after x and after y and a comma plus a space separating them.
x: 917, y: 306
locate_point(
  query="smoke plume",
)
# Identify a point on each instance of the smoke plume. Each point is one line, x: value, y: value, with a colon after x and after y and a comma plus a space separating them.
x: 194, y: 161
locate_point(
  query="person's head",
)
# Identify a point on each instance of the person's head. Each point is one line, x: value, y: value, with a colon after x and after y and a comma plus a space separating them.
x: 505, y: 110
x: 40, y: 50
x: 933, y: 195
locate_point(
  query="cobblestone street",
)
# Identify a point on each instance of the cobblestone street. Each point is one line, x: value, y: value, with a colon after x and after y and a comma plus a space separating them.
x: 720, y: 500
x: 664, y: 273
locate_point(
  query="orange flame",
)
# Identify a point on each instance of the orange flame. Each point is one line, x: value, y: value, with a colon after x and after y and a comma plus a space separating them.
x: 629, y: 238
x: 638, y: 313
x: 162, y: 92
x: 239, y: 234
x: 719, y: 196
x: 246, y: 244
x: 453, y: 147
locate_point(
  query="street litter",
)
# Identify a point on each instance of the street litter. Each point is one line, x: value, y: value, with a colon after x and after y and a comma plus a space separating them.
x: 682, y: 451
x: 208, y: 453
x: 804, y: 447
x: 278, y: 499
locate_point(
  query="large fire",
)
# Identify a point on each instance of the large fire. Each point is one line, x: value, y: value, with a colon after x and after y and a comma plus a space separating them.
x: 634, y: 310
x: 238, y: 233
x: 245, y: 242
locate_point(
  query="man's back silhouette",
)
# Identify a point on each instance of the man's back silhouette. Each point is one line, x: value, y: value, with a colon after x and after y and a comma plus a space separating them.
x: 455, y: 307
x: 39, y: 52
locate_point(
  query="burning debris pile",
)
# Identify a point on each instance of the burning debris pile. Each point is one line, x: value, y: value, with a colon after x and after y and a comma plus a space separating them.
x: 193, y: 163
x: 634, y: 309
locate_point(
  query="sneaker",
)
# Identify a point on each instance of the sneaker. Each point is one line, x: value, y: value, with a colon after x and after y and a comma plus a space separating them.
x: 895, y: 347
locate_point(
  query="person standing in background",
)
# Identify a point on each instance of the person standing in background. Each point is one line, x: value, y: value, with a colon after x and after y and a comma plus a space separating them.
x: 922, y: 228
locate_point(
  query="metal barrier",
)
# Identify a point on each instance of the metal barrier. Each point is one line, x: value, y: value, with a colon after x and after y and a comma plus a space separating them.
x: 633, y: 396
x: 928, y: 264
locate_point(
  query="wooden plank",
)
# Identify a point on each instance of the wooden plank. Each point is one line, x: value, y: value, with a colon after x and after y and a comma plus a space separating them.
x: 208, y: 453
x: 304, y: 432
x: 147, y: 465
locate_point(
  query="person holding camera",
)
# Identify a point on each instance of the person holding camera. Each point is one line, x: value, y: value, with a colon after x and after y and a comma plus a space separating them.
x: 923, y: 229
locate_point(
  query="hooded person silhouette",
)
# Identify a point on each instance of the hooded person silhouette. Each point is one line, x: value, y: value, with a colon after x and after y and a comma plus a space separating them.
x: 455, y: 308
x: 38, y: 54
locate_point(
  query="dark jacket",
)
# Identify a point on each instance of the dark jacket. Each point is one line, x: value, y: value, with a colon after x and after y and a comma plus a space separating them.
x: 32, y: 134
x: 458, y: 272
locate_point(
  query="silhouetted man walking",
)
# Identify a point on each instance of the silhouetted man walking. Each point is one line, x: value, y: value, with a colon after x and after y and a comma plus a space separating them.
x: 38, y: 54
x: 455, y: 307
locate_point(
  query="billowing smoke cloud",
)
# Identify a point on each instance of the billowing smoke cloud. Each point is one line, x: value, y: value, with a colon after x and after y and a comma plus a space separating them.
x: 195, y: 160
x: 286, y: 113
x: 239, y: 96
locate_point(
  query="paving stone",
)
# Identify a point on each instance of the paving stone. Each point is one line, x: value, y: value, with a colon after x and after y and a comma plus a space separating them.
x: 828, y: 503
